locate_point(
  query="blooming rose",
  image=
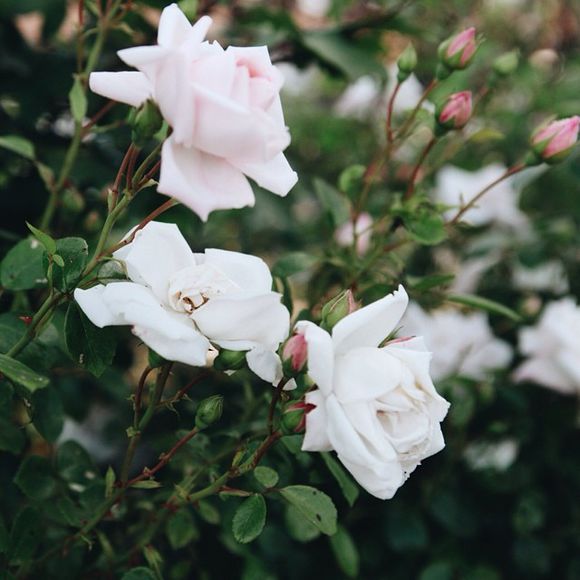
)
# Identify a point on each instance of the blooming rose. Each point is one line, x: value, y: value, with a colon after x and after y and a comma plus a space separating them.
x: 462, y: 344
x: 553, y: 348
x: 224, y: 109
x: 376, y: 407
x: 181, y: 304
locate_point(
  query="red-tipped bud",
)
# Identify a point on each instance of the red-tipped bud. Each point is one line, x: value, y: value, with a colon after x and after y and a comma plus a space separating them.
x: 295, y: 354
x: 455, y: 111
x: 457, y: 52
x: 555, y: 141
x: 294, y: 417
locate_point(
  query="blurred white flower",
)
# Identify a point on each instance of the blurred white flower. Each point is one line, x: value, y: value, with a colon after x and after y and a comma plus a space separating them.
x: 547, y: 277
x: 462, y: 344
x: 313, y: 8
x: 344, y: 235
x: 553, y: 348
x: 498, y: 455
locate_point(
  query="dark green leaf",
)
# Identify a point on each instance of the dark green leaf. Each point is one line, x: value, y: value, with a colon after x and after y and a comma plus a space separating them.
x: 314, y: 505
x: 78, y: 101
x: 249, y: 519
x: 74, y: 463
x: 4, y: 537
x: 25, y: 535
x: 88, y: 345
x: 347, y: 485
x: 424, y: 283
x: 437, y: 571
x: 12, y: 437
x: 332, y: 201
x: 17, y: 145
x: 48, y: 417
x: 73, y: 254
x: 48, y: 243
x: 140, y: 573
x: 485, y: 304
x: 34, y: 478
x: 181, y: 529
x: 22, y: 268
x: 345, y: 552
x: 21, y: 375
x: 293, y: 263
x: 299, y: 527
x: 266, y: 476
x: 209, y: 513
x: 426, y: 228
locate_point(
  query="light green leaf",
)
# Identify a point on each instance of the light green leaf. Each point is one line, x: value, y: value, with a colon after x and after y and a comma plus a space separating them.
x: 22, y: 267
x: 332, y: 201
x: 314, y: 505
x: 345, y: 552
x: 266, y: 476
x: 299, y: 527
x: 18, y: 145
x: 249, y: 519
x: 78, y: 101
x: 484, y: 304
x: 48, y: 243
x: 73, y: 254
x: 146, y: 484
x: 427, y: 228
x: 293, y: 263
x: 21, y: 374
x: 347, y: 485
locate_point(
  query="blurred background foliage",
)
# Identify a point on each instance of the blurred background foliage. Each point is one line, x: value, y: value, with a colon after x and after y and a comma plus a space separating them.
x: 501, y: 501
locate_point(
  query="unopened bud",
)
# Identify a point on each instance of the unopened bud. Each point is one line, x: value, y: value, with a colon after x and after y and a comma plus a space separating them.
x: 455, y: 111
x: 506, y: 64
x: 554, y: 142
x: 457, y: 52
x: 209, y: 411
x: 351, y: 180
x: 294, y: 354
x: 406, y: 63
x: 294, y: 417
x: 337, y: 309
x: 229, y: 360
x: 146, y: 123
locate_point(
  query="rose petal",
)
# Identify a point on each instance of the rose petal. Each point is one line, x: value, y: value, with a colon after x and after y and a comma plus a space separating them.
x: 95, y: 308
x: 265, y: 363
x: 275, y: 175
x: 545, y: 371
x: 315, y: 436
x: 132, y: 88
x: 320, y: 355
x: 250, y: 273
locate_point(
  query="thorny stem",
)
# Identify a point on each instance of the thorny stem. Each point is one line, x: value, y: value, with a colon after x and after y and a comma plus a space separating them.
x: 273, y: 403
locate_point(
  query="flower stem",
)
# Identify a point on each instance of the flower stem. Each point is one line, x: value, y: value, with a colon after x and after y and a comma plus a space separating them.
x: 390, y: 105
x: 411, y: 118
x: 417, y: 168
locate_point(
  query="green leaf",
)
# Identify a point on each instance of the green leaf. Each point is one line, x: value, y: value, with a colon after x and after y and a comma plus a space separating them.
x: 78, y: 101
x: 25, y: 535
x: 299, y: 527
x: 48, y: 417
x: 423, y: 283
x: 293, y: 263
x: 146, y: 484
x: 266, y: 476
x: 18, y: 145
x: 314, y: 505
x: 437, y: 571
x: 485, y: 304
x: 48, y: 243
x: 73, y: 463
x: 349, y: 488
x: 249, y: 519
x: 140, y: 573
x: 21, y: 375
x: 22, y: 267
x: 110, y: 479
x: 90, y: 346
x: 209, y: 512
x: 181, y: 529
x: 12, y: 437
x: 74, y: 255
x: 332, y: 201
x: 426, y: 227
x: 345, y: 552
x: 34, y: 478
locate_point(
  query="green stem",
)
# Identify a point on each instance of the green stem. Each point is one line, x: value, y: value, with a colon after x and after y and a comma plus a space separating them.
x: 411, y: 118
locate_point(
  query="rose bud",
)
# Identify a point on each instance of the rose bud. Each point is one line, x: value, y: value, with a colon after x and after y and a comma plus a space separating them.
x: 457, y: 52
x: 555, y: 141
x: 455, y: 111
x: 294, y: 417
x: 209, y: 411
x: 406, y: 63
x: 146, y: 122
x: 337, y: 309
x: 294, y: 354
x: 229, y: 360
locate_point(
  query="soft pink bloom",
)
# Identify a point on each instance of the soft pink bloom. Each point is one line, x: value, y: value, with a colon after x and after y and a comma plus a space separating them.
x: 462, y: 45
x: 223, y: 106
x: 456, y: 111
x: 556, y: 138
x: 344, y: 235
x: 295, y: 351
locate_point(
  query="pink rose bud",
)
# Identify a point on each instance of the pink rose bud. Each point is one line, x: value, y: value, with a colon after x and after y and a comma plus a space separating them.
x: 555, y: 141
x: 294, y: 417
x: 295, y: 353
x: 455, y: 112
x: 457, y: 52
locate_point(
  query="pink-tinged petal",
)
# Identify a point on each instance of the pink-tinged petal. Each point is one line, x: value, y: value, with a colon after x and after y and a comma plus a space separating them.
x: 244, y: 320
x: 197, y: 34
x: 173, y: 27
x: 250, y: 273
x: 265, y: 363
x: 228, y: 130
x: 257, y: 60
x: 275, y: 175
x: 216, y: 73
x: 202, y: 182
x: 316, y: 436
x: 546, y: 372
x: 241, y: 87
x: 145, y: 58
x: 132, y: 88
x: 261, y: 93
x: 320, y: 355
x: 157, y: 252
x: 370, y: 325
x: 91, y: 302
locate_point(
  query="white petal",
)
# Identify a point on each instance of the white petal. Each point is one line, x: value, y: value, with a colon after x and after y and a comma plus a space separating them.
x: 155, y: 255
x: 320, y: 355
x: 265, y: 363
x: 95, y: 308
x: 202, y: 182
x: 316, y: 436
x: 382, y: 481
x: 244, y: 320
x: 250, y: 273
x: 128, y: 87
x: 275, y: 175
x: 370, y: 325
x: 148, y: 59
x: 544, y: 371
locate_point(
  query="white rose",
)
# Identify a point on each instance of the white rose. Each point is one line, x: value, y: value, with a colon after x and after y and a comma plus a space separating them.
x: 224, y: 108
x: 462, y: 344
x: 376, y: 407
x: 553, y: 348
x: 180, y: 303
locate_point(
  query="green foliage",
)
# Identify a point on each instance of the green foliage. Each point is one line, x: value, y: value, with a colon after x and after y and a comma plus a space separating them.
x: 315, y: 506
x: 349, y: 489
x: 22, y: 267
x: 266, y: 476
x: 21, y: 375
x: 249, y: 519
